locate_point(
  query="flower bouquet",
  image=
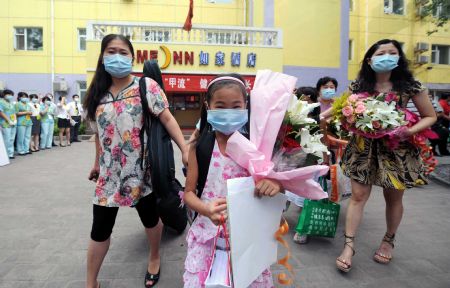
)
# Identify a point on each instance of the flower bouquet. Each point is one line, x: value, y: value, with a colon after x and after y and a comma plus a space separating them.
x: 299, y: 140
x: 371, y: 117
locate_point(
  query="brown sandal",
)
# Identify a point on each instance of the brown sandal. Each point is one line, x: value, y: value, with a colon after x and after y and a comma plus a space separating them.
x: 348, y: 241
x: 381, y: 258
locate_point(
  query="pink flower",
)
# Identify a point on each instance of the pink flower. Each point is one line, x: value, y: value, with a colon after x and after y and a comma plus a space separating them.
x: 360, y: 109
x: 347, y: 111
x: 376, y: 124
x: 135, y: 132
x: 351, y: 119
x: 101, y: 182
x: 390, y: 97
x: 215, y: 154
x: 116, y: 151
x: 109, y: 130
x: 216, y: 164
x: 123, y: 160
x: 98, y: 191
x: 120, y: 106
x: 353, y: 98
x: 136, y: 143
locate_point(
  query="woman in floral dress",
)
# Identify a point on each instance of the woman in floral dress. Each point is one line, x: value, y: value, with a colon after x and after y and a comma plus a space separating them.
x: 113, y: 102
x: 370, y: 162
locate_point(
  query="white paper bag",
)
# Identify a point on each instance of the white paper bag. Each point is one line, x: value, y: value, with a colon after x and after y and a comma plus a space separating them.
x: 253, y: 223
x: 219, y: 275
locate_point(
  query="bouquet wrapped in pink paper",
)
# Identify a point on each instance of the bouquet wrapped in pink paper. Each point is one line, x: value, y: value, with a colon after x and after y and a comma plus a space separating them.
x: 270, y: 99
x: 371, y: 117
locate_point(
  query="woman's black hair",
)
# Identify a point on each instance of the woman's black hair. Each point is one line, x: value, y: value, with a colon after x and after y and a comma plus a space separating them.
x: 21, y: 95
x: 210, y: 92
x: 102, y: 80
x: 324, y: 80
x: 151, y: 70
x: 6, y: 92
x: 45, y: 98
x: 401, y: 77
x: 34, y: 96
x: 60, y: 97
x: 307, y: 90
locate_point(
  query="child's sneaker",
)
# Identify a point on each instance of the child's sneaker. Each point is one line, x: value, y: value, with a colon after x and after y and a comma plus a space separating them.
x: 300, y: 239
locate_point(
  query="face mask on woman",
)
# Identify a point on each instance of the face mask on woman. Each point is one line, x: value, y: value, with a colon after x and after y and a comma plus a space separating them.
x: 328, y: 93
x: 117, y: 65
x: 227, y: 121
x: 24, y: 100
x: 384, y: 63
x: 48, y: 102
x: 9, y: 98
x: 34, y: 100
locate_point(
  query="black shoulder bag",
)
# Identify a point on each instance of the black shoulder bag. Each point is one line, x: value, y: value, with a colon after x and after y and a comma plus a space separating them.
x: 159, y: 167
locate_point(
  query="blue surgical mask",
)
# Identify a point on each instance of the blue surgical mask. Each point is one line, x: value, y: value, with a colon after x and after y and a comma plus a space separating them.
x: 384, y: 63
x: 328, y: 93
x: 24, y: 100
x: 34, y: 100
x: 48, y: 102
x: 227, y: 121
x: 118, y: 66
x: 9, y: 98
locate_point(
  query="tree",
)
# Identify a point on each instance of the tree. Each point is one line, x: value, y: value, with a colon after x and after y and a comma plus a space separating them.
x: 438, y: 10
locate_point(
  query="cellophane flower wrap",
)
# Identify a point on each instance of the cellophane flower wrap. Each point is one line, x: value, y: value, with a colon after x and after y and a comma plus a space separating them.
x: 299, y: 141
x: 371, y: 117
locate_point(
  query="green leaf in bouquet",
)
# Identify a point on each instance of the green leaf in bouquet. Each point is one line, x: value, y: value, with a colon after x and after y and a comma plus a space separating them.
x: 311, y: 159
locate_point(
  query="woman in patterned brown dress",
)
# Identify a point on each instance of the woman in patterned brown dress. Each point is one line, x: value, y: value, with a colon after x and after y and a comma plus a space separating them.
x: 370, y: 162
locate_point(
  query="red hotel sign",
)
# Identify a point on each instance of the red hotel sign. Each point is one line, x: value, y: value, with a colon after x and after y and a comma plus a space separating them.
x: 194, y: 82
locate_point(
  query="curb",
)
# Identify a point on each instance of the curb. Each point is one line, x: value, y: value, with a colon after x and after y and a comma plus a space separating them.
x: 439, y: 179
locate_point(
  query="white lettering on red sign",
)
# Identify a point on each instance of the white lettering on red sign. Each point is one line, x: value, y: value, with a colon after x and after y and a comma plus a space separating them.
x: 203, y: 83
x: 172, y: 82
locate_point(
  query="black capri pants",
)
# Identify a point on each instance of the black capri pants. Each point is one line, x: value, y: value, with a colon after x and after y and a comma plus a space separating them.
x: 105, y: 217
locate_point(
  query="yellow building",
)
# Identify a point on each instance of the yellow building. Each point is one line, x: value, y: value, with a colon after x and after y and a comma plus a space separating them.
x: 53, y: 45
x: 429, y: 56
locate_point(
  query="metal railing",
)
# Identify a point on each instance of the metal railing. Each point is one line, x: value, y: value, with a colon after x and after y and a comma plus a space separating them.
x: 200, y: 34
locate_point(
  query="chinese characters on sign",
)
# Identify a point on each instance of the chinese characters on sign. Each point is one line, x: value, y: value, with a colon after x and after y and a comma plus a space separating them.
x: 220, y: 58
x: 236, y: 59
x: 204, y: 58
x: 251, y: 60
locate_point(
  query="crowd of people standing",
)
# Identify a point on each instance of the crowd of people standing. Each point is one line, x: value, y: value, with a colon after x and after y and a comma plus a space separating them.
x: 28, y: 121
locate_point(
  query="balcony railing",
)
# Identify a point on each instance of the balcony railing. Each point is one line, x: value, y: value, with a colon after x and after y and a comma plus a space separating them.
x: 199, y: 35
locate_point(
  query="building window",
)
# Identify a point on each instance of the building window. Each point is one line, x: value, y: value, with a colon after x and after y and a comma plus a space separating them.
x: 442, y: 10
x: 28, y: 38
x: 81, y: 39
x: 82, y: 88
x: 186, y: 102
x: 440, y: 54
x: 351, y: 3
x: 394, y: 7
x: 350, y: 49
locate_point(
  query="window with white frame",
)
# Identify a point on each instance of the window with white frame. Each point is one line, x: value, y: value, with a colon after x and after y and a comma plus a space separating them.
x: 82, y: 88
x: 350, y: 49
x: 81, y: 39
x: 440, y: 54
x: 442, y: 10
x: 28, y: 38
x: 351, y: 3
x: 394, y: 7
x: 152, y: 35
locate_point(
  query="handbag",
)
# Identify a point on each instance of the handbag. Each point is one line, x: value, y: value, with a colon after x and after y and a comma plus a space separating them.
x: 219, y: 273
x: 341, y: 186
x: 318, y: 218
x: 159, y: 168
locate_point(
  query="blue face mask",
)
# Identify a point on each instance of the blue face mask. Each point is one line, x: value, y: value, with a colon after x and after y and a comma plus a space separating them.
x: 118, y: 66
x: 227, y: 121
x: 35, y: 100
x: 48, y: 102
x: 24, y: 100
x: 328, y: 93
x: 384, y: 63
x: 9, y: 98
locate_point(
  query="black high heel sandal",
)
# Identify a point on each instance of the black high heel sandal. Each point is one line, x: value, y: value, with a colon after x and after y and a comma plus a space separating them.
x: 380, y: 257
x: 151, y: 277
x: 348, y: 241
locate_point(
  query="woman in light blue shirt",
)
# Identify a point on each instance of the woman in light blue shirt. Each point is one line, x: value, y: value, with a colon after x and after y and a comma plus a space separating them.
x: 47, y: 122
x: 8, y: 121
x: 23, y: 124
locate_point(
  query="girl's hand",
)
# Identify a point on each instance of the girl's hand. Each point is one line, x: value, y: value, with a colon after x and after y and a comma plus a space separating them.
x: 95, y: 172
x: 215, y: 210
x: 268, y: 187
x: 184, y: 157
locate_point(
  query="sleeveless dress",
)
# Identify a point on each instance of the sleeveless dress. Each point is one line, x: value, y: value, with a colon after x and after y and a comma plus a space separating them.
x: 200, y: 237
x: 370, y: 161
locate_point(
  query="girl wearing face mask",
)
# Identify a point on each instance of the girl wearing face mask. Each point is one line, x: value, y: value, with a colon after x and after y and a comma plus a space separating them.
x: 36, y: 119
x: 326, y: 87
x: 8, y: 121
x: 223, y: 113
x: 370, y: 162
x: 113, y: 106
x: 24, y: 124
x: 46, y: 123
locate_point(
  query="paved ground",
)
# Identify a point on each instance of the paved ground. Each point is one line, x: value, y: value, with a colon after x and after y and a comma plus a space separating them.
x: 45, y: 218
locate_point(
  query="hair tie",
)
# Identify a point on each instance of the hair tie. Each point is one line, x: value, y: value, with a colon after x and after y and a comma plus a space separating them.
x: 221, y: 78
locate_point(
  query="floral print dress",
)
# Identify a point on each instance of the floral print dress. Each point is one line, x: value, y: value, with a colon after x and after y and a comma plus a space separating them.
x: 201, y: 235
x: 371, y: 161
x: 118, y: 122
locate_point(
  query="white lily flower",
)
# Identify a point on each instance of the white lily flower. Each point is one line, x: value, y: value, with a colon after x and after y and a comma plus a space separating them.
x: 298, y: 111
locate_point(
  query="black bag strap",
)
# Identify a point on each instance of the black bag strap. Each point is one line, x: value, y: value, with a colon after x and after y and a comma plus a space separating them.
x: 147, y: 122
x: 203, y: 151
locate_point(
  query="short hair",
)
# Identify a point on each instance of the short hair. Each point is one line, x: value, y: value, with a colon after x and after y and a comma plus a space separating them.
x: 75, y: 95
x: 307, y: 90
x: 60, y: 97
x: 324, y: 80
x: 21, y: 94
x: 7, y: 92
x: 34, y: 96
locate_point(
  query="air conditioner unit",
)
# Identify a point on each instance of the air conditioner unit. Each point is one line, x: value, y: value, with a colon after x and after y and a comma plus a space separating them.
x: 421, y: 59
x: 60, y: 86
x: 2, y: 85
x: 422, y: 46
